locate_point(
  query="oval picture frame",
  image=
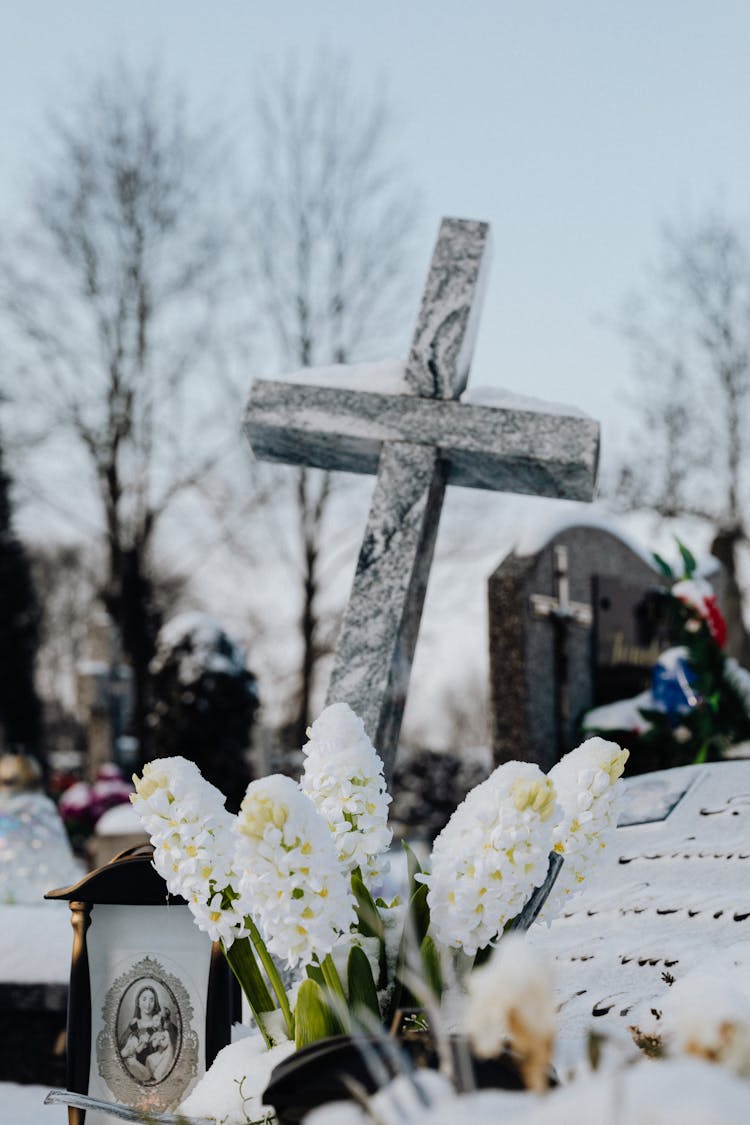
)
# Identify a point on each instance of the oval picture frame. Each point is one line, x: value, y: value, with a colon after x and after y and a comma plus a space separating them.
x: 147, y: 1052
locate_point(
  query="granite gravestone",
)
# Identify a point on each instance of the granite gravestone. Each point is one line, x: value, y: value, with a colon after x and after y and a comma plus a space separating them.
x: 417, y: 442
x: 565, y: 638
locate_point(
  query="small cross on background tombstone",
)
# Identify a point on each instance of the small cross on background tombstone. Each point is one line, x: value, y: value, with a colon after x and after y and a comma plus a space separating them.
x: 563, y: 613
x: 416, y: 442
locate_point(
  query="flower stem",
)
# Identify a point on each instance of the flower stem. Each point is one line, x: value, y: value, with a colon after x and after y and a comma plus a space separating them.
x: 335, y: 988
x: 273, y: 975
x: 244, y: 966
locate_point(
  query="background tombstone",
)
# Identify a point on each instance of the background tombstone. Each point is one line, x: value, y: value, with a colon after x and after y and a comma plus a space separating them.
x: 608, y: 659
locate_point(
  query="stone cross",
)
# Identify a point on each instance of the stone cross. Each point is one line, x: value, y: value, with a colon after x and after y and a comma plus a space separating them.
x: 416, y: 442
x: 563, y: 613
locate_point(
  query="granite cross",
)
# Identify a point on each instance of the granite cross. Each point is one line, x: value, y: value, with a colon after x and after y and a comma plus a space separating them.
x: 416, y: 442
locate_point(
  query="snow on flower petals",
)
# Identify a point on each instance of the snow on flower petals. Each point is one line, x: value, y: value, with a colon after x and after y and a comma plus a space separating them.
x: 191, y: 832
x: 343, y: 777
x: 290, y: 876
x: 585, y: 781
x: 698, y: 595
x: 490, y: 856
x: 512, y: 998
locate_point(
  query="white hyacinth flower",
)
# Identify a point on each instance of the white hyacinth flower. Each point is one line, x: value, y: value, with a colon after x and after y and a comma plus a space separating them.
x: 512, y: 1003
x: 191, y: 832
x: 343, y: 777
x: 290, y: 876
x: 490, y: 856
x: 585, y: 781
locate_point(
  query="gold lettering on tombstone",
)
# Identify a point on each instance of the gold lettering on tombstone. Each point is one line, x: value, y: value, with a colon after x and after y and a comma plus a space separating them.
x: 638, y: 655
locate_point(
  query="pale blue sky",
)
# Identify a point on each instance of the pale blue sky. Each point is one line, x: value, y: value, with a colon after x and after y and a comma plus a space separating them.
x: 573, y: 128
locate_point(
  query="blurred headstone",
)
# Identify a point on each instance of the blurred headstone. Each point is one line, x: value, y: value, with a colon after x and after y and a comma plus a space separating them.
x: 35, y: 857
x: 540, y: 661
x: 117, y: 830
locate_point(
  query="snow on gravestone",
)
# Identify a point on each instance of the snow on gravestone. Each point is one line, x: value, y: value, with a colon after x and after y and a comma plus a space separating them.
x: 550, y: 662
x: 674, y: 897
x: 416, y: 441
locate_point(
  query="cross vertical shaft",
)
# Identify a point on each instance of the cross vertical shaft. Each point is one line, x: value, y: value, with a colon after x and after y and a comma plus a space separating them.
x: 379, y: 632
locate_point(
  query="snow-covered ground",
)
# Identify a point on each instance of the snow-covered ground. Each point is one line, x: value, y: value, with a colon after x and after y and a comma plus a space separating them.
x: 35, y: 943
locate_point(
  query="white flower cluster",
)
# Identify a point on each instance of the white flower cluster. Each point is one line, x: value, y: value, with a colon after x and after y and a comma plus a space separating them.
x: 193, y: 842
x: 343, y: 777
x: 284, y: 864
x: 490, y: 856
x: 291, y: 879
x: 584, y: 781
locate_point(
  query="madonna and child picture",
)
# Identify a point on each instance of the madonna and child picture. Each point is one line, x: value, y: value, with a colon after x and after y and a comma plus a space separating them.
x: 148, y: 1031
x: 148, y: 1044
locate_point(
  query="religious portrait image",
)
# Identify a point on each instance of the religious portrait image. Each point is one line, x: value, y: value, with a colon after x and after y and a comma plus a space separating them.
x: 147, y: 1052
x: 148, y: 1030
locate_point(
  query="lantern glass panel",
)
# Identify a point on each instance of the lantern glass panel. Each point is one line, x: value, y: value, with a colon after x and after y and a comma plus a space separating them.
x: 148, y: 1010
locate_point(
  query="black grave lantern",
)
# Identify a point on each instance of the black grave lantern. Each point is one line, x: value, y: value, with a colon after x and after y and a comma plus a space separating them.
x: 151, y: 1000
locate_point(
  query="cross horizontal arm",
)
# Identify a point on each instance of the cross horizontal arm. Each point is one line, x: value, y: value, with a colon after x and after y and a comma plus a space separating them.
x: 543, y: 605
x: 484, y: 446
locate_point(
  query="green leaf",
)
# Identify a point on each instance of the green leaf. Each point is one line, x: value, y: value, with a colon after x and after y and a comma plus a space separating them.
x: 688, y: 559
x: 369, y: 922
x: 663, y: 565
x: 333, y: 982
x: 416, y: 925
x: 360, y: 985
x: 313, y: 1017
x: 420, y: 912
x: 433, y: 970
x: 413, y: 868
x: 315, y: 973
x: 252, y: 982
x: 701, y: 756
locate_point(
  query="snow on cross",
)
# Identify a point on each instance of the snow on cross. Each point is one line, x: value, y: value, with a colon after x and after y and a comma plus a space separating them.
x: 416, y: 442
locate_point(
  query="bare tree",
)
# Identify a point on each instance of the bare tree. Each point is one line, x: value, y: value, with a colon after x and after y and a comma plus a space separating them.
x: 111, y: 303
x: 330, y: 237
x: 690, y: 452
